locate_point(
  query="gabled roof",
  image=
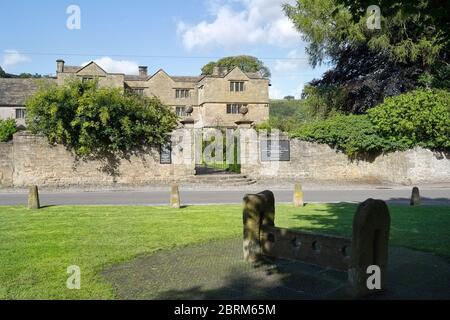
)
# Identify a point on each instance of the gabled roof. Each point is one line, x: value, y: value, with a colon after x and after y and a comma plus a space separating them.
x: 193, y: 79
x: 90, y: 64
x: 15, y: 92
x: 131, y: 77
x: 255, y: 75
x: 186, y: 78
x: 161, y: 71
x: 250, y: 75
x: 71, y: 69
x: 232, y: 70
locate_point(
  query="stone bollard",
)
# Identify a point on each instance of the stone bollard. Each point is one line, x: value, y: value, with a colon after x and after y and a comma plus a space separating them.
x: 370, y: 240
x: 33, y: 198
x: 415, y: 197
x: 298, y: 196
x: 258, y: 209
x: 175, y: 197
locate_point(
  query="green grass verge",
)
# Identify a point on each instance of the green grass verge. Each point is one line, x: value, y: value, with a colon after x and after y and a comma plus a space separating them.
x: 37, y: 246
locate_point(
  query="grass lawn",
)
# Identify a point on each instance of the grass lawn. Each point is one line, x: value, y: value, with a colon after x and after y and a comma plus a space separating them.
x: 37, y: 246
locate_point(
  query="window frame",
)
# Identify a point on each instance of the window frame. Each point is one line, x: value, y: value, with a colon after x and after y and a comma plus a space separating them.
x: 183, y: 113
x: 237, y: 86
x: 138, y: 91
x: 182, y: 93
x: 85, y: 79
x: 22, y: 111
x: 235, y: 108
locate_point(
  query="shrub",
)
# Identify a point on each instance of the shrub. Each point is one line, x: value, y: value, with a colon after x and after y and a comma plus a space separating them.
x: 353, y: 134
x: 7, y: 129
x: 417, y: 118
x: 98, y: 122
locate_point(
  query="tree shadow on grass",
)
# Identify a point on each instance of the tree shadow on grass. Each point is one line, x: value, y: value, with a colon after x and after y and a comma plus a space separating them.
x: 334, y: 219
x: 222, y: 274
x: 269, y: 280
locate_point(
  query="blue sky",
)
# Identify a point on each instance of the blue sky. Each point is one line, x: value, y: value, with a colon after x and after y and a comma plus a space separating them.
x: 177, y: 36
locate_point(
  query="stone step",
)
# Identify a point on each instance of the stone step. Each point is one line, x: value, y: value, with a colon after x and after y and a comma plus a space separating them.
x: 219, y: 177
x: 227, y: 179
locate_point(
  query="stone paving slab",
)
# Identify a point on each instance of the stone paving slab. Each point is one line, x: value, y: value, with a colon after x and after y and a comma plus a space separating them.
x: 216, y: 270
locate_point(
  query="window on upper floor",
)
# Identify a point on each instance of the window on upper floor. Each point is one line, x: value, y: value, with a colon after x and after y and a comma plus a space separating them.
x: 180, y: 111
x: 86, y: 79
x: 138, y: 91
x: 234, y: 108
x: 182, y: 93
x: 237, y: 86
x: 21, y: 113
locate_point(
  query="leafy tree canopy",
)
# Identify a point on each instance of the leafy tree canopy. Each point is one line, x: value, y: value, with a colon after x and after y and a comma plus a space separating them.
x: 245, y: 63
x: 411, y: 31
x: 101, y: 123
x: 410, y: 50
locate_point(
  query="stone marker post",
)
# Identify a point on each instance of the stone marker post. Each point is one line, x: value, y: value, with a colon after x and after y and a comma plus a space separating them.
x: 415, y: 197
x: 33, y: 198
x: 175, y: 197
x: 370, y: 240
x: 258, y: 210
x: 298, y: 196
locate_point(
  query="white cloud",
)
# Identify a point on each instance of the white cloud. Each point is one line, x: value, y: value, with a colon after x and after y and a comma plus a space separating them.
x: 257, y: 22
x: 116, y: 66
x: 295, y: 60
x: 12, y: 58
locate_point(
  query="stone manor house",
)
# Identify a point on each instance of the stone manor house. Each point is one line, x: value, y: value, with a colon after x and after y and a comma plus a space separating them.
x: 224, y: 99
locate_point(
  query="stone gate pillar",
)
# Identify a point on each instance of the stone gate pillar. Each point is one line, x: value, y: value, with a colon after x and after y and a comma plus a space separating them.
x: 248, y: 147
x: 184, y: 148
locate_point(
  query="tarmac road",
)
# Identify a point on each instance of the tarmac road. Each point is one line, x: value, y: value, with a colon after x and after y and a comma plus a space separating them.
x: 432, y: 196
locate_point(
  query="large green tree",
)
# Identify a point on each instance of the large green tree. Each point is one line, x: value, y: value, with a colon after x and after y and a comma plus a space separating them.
x: 101, y: 123
x: 245, y: 63
x: 411, y: 49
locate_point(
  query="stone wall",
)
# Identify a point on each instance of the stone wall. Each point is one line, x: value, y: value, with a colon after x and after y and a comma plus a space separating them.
x: 320, y: 162
x: 29, y: 160
x: 38, y: 163
x: 6, y: 164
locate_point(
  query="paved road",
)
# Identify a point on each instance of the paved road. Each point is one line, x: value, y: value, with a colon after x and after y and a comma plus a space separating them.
x: 429, y: 196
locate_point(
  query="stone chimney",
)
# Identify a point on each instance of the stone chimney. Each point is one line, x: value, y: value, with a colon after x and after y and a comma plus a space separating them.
x: 60, y: 65
x: 143, y: 71
x: 220, y: 71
